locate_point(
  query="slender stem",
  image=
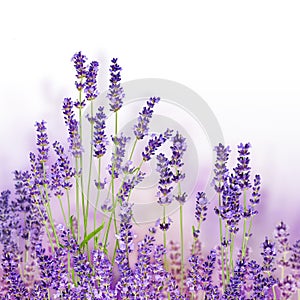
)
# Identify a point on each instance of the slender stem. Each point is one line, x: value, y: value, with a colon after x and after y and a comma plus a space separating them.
x: 245, y: 226
x: 81, y: 173
x: 112, y: 187
x: 90, y: 164
x: 77, y: 200
x: 226, y: 256
x: 97, y: 200
x: 69, y: 207
x: 274, y: 293
x: 46, y: 227
x: 249, y: 231
x: 165, y: 238
x: 133, y: 148
x: 222, y: 248
x: 62, y: 210
x: 232, y: 237
x: 282, y: 268
x: 181, y: 246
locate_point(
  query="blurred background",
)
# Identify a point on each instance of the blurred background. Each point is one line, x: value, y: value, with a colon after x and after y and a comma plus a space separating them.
x: 241, y: 57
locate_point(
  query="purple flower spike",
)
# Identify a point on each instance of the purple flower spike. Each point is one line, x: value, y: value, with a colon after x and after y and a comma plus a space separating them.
x: 221, y: 171
x: 66, y: 171
x: 42, y: 142
x: 141, y: 129
x: 100, y: 140
x: 165, y: 181
x: 73, y: 128
x: 154, y: 143
x: 178, y: 148
x: 256, y: 189
x: 116, y: 92
x: 268, y: 253
x: 79, y: 60
x: 201, y: 207
x: 242, y: 170
x: 118, y: 155
x: 90, y: 89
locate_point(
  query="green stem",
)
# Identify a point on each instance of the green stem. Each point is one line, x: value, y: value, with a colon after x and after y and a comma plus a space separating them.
x: 97, y: 201
x: 222, y: 248
x: 81, y: 174
x: 181, y: 246
x: 77, y: 201
x: 133, y: 148
x: 165, y: 238
x: 274, y: 293
x: 226, y: 257
x: 112, y: 187
x: 62, y: 210
x: 90, y: 165
x: 69, y: 207
x: 232, y: 237
x: 46, y: 226
x: 244, y: 226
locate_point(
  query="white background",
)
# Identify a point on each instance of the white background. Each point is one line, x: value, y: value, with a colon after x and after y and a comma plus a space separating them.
x: 241, y: 57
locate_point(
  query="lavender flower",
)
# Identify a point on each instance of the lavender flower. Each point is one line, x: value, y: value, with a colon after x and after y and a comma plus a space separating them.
x: 235, y: 288
x: 159, y: 273
x: 178, y: 148
x: 288, y: 286
x: 90, y: 89
x: 142, y: 127
x: 103, y: 276
x: 165, y: 180
x: 194, y: 274
x: 79, y: 60
x: 65, y: 170
x: 243, y: 170
x: 73, y: 128
x: 208, y: 268
x: 42, y: 142
x: 116, y: 92
x: 118, y: 155
x: 56, y: 181
x: 230, y: 210
x: 125, y: 238
x: 268, y: 253
x: 261, y: 283
x: 201, y: 207
x: 141, y: 282
x: 99, y: 140
x: 154, y: 143
x: 221, y: 171
x: 281, y: 235
x: 295, y: 260
x: 200, y: 275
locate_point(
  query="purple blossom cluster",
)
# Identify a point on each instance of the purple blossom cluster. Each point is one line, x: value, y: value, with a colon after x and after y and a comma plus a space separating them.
x: 43, y: 259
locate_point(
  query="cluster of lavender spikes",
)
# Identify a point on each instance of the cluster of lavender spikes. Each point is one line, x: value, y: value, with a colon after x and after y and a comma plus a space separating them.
x: 43, y: 259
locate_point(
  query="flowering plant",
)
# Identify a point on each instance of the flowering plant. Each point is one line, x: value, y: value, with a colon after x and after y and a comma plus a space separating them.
x: 93, y: 256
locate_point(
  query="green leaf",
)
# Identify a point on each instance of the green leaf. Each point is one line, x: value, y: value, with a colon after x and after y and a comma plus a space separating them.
x: 91, y: 235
